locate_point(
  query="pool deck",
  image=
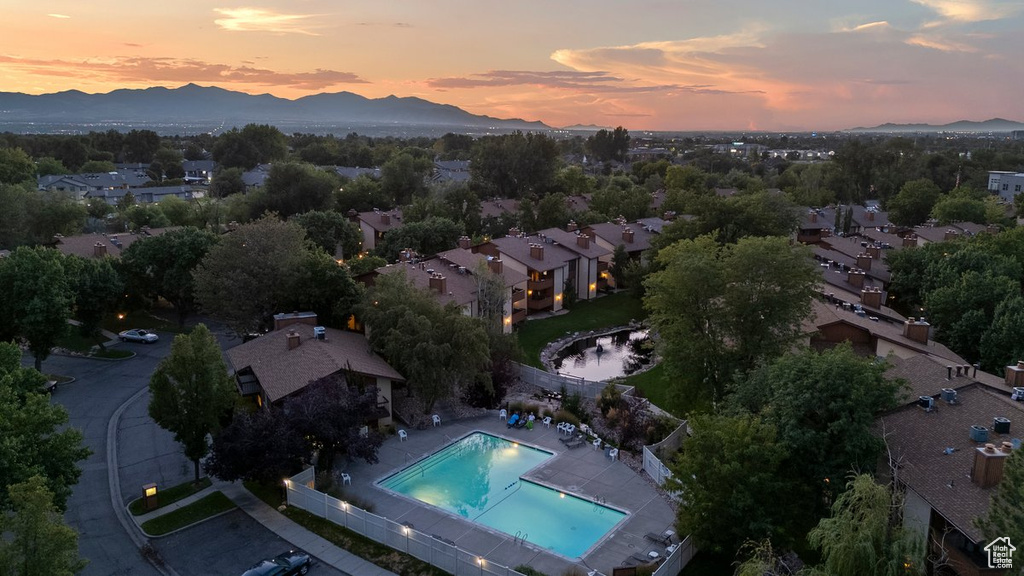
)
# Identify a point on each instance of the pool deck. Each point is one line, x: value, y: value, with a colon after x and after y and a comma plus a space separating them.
x: 583, y: 471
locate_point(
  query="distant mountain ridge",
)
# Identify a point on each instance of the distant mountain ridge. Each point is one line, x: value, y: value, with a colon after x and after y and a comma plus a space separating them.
x: 196, y: 105
x: 993, y: 125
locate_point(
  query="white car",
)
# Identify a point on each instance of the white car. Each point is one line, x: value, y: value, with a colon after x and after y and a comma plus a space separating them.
x: 138, y: 335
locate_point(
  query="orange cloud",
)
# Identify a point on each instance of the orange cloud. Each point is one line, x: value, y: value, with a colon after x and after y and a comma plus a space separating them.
x: 172, y: 71
x: 972, y: 10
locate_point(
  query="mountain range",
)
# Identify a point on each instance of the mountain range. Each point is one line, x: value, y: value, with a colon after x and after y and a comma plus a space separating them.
x: 993, y: 125
x: 193, y: 105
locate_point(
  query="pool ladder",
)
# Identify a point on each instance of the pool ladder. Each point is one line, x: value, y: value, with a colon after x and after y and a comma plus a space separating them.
x: 519, y: 538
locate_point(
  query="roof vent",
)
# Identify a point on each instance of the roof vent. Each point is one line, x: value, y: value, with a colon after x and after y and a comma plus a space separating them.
x: 949, y: 395
x: 319, y: 333
x: 979, y: 433
x: 1001, y: 425
x: 1018, y: 394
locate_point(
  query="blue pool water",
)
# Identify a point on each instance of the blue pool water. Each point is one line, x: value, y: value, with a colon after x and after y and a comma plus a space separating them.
x: 478, y: 478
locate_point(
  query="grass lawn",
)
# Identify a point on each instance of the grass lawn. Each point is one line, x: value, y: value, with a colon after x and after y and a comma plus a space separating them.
x: 379, y: 554
x: 605, y: 312
x: 201, y: 509
x: 654, y: 385
x: 272, y: 496
x: 74, y: 341
x: 170, y: 495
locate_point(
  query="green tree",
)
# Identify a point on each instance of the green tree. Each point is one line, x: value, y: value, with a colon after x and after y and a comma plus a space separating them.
x: 15, y: 218
x: 191, y: 392
x: 1006, y: 505
x: 963, y: 310
x: 258, y: 260
x: 729, y: 474
x: 825, y: 427
x: 41, y: 543
x: 227, y: 182
x: 402, y: 177
x: 609, y: 144
x: 16, y: 166
x: 330, y: 230
x: 686, y: 178
x: 723, y: 309
x: 36, y: 438
x: 48, y: 165
x: 177, y: 211
x: 97, y: 288
x: 98, y: 166
x: 960, y: 205
x: 441, y: 350
x: 514, y: 165
x: 914, y: 202
x: 37, y: 298
x: 270, y: 143
x: 139, y: 146
x: 430, y: 236
x: 294, y: 188
x: 552, y: 211
x: 233, y: 150
x: 1002, y: 344
x: 52, y: 213
x: 864, y: 536
x: 165, y: 266
x: 620, y: 259
x: 323, y: 286
x: 362, y: 195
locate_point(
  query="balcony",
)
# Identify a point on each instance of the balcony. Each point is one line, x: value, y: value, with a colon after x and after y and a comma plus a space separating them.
x: 542, y: 303
x: 518, y: 316
x: 542, y: 284
x: 518, y: 294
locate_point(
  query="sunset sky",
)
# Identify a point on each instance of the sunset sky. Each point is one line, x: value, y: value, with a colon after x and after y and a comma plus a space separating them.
x: 647, y: 65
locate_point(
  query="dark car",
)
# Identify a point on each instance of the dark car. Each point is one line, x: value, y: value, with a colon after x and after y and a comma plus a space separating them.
x: 286, y: 564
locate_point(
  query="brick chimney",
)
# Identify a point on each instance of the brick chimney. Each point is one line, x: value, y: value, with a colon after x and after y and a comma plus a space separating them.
x: 871, y: 297
x: 870, y: 215
x: 1015, y: 375
x: 992, y: 229
x: 385, y: 218
x: 496, y: 265
x: 513, y: 232
x: 573, y: 226
x: 916, y: 330
x: 537, y: 251
x: 294, y: 340
x: 950, y: 234
x: 875, y: 252
x: 910, y: 241
x: 99, y: 250
x: 583, y: 241
x: 855, y: 278
x: 465, y: 243
x: 988, y: 464
x: 627, y: 235
x: 438, y: 282
x: 864, y: 261
x: 812, y: 216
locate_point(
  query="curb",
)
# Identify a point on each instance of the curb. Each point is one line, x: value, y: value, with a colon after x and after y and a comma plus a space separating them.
x: 87, y: 357
x: 115, y: 488
x: 176, y: 530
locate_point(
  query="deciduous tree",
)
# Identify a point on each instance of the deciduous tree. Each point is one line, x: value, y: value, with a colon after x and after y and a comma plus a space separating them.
x: 97, y: 288
x: 191, y: 392
x: 914, y: 202
x: 330, y: 230
x: 37, y: 298
x: 294, y: 188
x: 261, y: 446
x: 40, y: 543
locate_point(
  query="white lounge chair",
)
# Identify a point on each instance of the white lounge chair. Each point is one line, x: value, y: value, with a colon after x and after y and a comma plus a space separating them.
x: 570, y: 429
x: 503, y: 414
x: 345, y: 478
x: 402, y: 435
x: 547, y: 421
x: 613, y: 453
x: 597, y: 443
x: 436, y: 419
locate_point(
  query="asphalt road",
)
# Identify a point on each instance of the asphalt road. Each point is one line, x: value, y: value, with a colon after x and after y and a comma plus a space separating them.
x: 225, y: 545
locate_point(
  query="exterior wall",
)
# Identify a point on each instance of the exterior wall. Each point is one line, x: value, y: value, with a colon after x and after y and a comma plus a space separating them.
x: 916, y: 514
x: 369, y: 236
x: 560, y: 277
x: 586, y: 278
x: 384, y: 392
x: 883, y: 348
x: 842, y: 333
x: 1009, y: 186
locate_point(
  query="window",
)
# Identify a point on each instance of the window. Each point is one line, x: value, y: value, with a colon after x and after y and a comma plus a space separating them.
x: 1016, y: 188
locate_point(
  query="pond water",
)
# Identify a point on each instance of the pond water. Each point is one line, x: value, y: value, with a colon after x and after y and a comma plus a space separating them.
x: 603, y: 357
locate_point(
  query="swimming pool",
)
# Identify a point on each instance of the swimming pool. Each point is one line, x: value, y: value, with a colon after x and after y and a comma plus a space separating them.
x: 479, y: 478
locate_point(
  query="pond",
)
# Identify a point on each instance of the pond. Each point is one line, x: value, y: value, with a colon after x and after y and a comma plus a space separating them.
x: 604, y: 357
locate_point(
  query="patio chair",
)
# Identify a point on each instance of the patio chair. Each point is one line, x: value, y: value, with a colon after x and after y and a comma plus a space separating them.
x: 345, y: 478
x: 664, y: 539
x: 597, y: 443
x: 613, y: 453
x: 402, y: 435
x: 436, y: 419
x: 561, y: 426
x: 547, y: 421
x: 570, y: 429
x: 503, y: 414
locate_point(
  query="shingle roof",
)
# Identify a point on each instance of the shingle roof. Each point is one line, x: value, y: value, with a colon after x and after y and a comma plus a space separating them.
x: 375, y: 219
x: 611, y: 233
x: 470, y: 261
x: 518, y: 248
x: 922, y: 440
x: 460, y: 288
x: 282, y: 372
x: 569, y: 240
x: 84, y: 245
x: 497, y: 207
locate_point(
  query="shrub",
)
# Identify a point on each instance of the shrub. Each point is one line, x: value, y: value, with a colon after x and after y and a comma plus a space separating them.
x: 565, y: 416
x: 528, y: 570
x: 573, y: 403
x: 573, y: 571
x: 610, y: 398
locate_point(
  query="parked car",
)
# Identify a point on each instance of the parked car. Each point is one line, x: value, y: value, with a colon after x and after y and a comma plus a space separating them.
x: 291, y: 562
x: 138, y: 335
